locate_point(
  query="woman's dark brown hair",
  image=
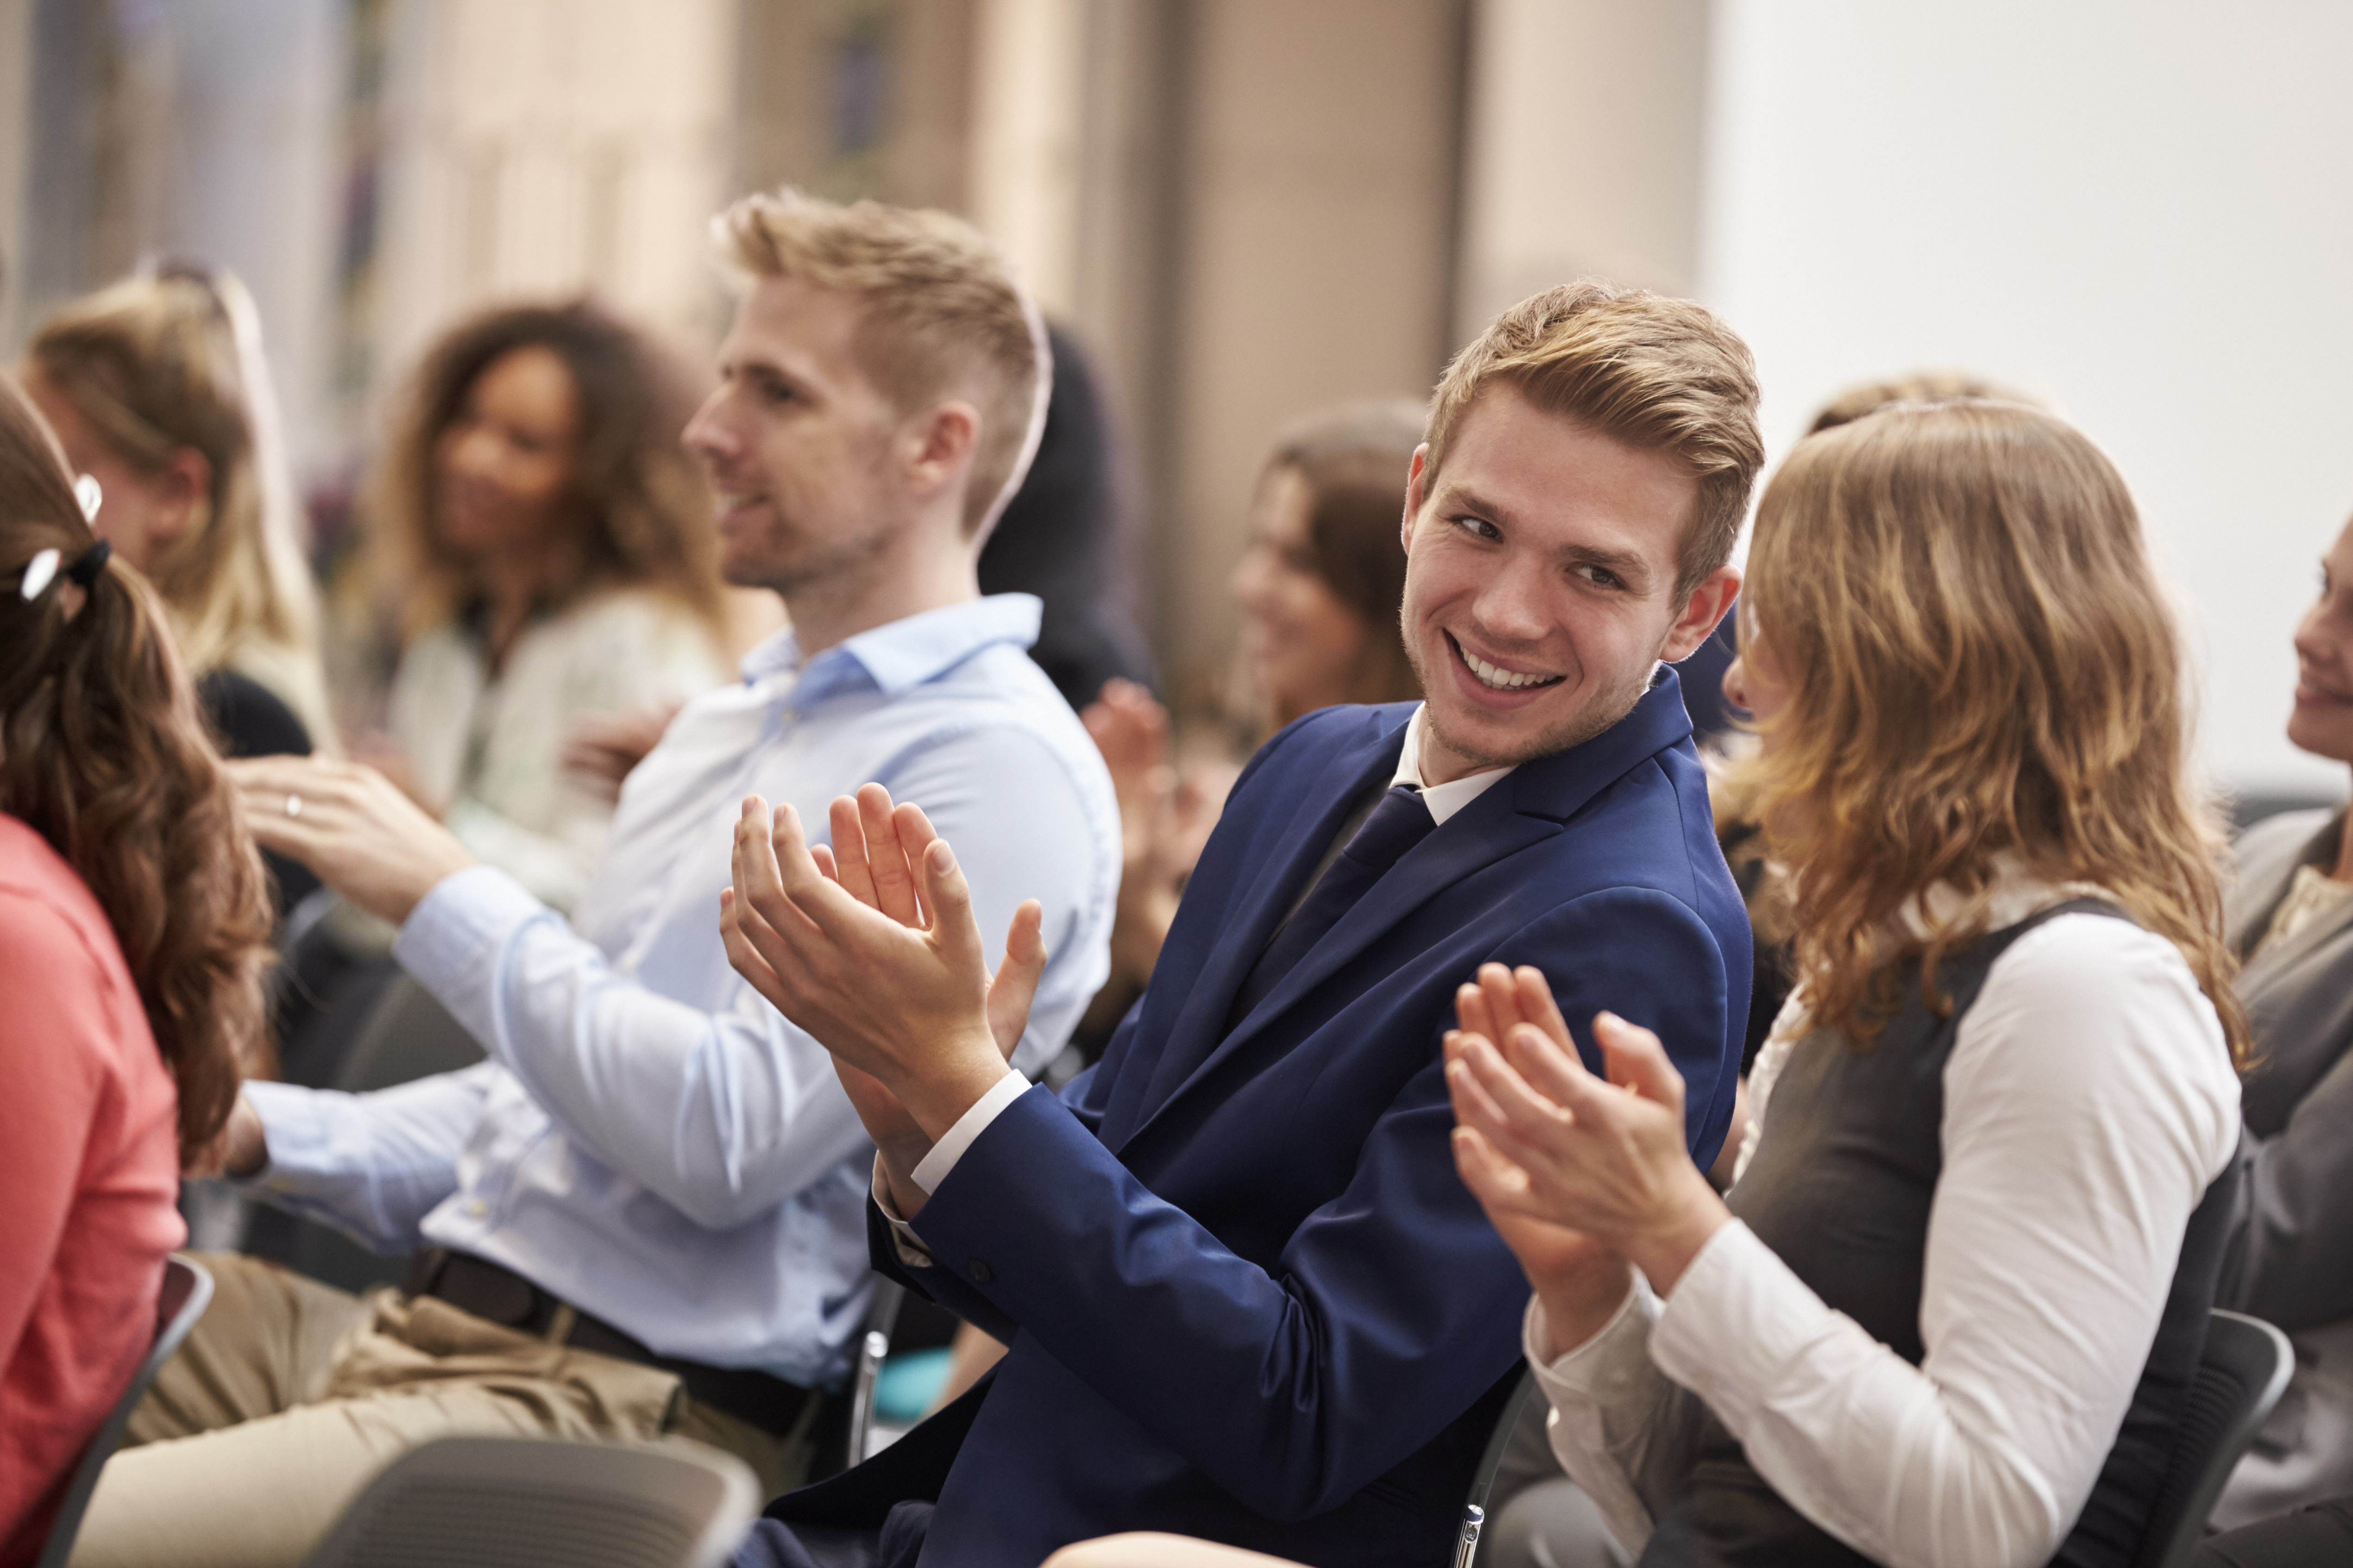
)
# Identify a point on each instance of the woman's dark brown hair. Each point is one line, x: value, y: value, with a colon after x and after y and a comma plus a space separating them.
x: 104, y: 754
x: 1353, y: 460
x: 644, y: 516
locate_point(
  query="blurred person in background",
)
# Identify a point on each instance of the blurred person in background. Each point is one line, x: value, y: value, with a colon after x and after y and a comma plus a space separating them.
x: 1319, y: 588
x: 547, y: 545
x: 1065, y: 538
x: 1321, y: 582
x: 157, y: 389
x: 2290, y: 916
x: 134, y: 925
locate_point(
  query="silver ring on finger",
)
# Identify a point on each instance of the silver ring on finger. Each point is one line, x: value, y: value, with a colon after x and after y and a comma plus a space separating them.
x: 293, y: 805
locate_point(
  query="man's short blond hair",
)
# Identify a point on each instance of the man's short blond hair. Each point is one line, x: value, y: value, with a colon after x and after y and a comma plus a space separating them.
x: 1659, y: 375
x: 941, y: 319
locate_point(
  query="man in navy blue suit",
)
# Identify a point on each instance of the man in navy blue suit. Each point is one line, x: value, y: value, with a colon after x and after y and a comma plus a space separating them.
x: 1246, y: 1295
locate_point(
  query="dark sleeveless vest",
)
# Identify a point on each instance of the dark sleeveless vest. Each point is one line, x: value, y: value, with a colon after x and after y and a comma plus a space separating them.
x: 1840, y: 1189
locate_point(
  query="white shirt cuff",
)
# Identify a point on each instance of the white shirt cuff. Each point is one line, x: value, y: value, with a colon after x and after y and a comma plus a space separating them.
x: 911, y: 1248
x: 934, y: 1168
x: 1590, y: 1369
x: 462, y: 916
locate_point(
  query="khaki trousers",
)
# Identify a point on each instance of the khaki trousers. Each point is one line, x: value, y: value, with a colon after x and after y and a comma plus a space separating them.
x: 290, y: 1396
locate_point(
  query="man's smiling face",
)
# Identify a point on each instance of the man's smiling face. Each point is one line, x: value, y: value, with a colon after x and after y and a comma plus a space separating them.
x: 1540, y: 583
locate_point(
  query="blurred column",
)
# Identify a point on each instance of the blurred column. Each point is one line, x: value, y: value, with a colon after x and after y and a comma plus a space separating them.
x: 1320, y: 175
x: 16, y: 156
x: 541, y: 149
x: 1245, y: 210
x: 854, y: 98
x: 1586, y: 134
x: 1028, y: 129
x: 202, y: 128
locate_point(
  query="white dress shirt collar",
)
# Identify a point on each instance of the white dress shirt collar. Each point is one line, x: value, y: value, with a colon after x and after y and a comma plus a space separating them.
x: 1443, y: 800
x: 901, y: 654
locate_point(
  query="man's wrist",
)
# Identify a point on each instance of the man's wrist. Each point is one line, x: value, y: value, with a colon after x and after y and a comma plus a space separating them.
x: 907, y: 1194
x: 953, y: 1085
x: 402, y: 903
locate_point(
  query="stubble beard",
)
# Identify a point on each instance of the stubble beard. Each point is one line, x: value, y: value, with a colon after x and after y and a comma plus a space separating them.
x: 815, y: 575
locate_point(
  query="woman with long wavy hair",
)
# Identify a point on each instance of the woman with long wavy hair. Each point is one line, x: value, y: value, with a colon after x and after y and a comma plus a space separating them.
x: 133, y: 926
x: 157, y: 386
x: 1951, y: 1308
x: 550, y: 553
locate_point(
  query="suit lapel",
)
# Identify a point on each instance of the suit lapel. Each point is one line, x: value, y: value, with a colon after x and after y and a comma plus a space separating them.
x: 1324, y: 796
x: 1482, y: 833
x: 1532, y: 804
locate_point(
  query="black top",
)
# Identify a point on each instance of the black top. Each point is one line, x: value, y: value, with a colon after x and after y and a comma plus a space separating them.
x: 248, y: 721
x: 1839, y: 1188
x: 1062, y: 538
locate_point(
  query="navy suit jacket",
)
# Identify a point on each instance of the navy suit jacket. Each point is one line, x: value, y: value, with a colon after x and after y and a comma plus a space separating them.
x: 1246, y: 1294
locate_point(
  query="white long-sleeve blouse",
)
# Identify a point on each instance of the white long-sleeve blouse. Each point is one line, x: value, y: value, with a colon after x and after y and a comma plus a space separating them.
x: 2089, y: 1100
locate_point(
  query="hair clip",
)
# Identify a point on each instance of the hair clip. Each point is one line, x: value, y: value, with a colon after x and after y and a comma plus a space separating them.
x: 89, y: 563
x: 86, y: 492
x: 40, y: 571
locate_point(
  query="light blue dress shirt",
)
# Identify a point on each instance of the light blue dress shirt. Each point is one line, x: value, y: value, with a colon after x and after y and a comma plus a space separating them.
x: 649, y: 1140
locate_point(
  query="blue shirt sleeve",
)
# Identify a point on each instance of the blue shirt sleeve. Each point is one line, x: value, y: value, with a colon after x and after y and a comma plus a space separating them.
x: 724, y: 1109
x: 372, y: 1165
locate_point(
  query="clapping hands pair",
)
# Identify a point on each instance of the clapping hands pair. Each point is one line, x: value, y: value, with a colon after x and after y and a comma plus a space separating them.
x: 1582, y: 1176
x: 870, y: 945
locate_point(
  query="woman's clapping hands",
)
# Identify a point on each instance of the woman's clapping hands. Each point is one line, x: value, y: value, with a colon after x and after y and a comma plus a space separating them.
x: 1580, y: 1175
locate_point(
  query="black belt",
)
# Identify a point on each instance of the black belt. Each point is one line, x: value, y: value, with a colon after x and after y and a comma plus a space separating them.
x: 493, y: 1291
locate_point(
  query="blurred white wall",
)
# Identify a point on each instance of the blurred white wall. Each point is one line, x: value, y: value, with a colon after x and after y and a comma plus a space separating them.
x: 2140, y: 211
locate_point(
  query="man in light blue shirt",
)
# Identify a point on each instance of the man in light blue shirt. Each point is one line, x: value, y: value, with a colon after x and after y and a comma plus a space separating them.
x: 654, y: 1172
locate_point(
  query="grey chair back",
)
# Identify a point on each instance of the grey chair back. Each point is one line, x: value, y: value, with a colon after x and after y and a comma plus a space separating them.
x: 1526, y: 1397
x: 540, y: 1502
x: 187, y: 1291
x: 404, y: 1035
x: 874, y: 1349
x: 2244, y: 1368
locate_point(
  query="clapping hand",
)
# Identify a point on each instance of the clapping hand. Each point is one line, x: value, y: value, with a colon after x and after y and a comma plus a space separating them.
x: 1579, y: 1175
x: 871, y: 947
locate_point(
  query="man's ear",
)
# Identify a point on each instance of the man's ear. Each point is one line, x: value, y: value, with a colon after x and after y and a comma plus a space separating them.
x: 183, y: 490
x: 1701, y: 613
x: 1416, y: 475
x: 938, y: 445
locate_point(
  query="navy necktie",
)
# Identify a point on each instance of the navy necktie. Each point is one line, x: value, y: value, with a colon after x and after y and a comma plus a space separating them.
x: 1397, y: 823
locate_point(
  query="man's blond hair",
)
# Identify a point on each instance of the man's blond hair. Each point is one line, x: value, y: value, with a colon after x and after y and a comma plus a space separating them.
x: 1659, y: 375
x: 942, y: 316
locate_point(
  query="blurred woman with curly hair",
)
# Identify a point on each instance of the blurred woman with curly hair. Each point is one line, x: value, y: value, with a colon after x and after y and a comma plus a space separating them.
x: 157, y: 386
x: 549, y: 552
x: 133, y: 926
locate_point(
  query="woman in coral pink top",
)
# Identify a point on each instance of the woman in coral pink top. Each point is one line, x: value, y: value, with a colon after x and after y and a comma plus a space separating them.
x: 133, y: 922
